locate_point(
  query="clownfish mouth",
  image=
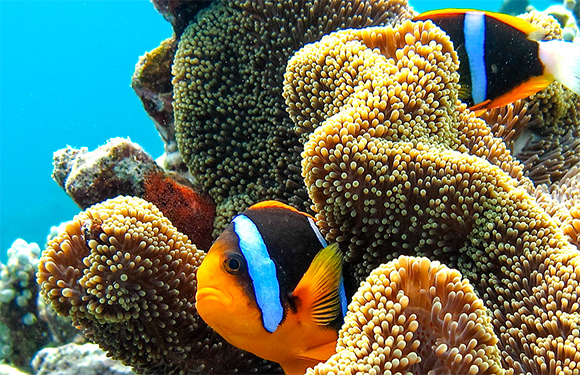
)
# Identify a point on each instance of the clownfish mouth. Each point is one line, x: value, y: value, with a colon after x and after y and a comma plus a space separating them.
x: 213, y: 295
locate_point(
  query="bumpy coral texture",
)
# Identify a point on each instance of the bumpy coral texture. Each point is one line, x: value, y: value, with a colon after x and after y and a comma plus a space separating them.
x: 74, y: 359
x: 116, y: 168
x: 562, y: 201
x: 152, y: 84
x: 232, y: 128
x: 412, y: 315
x: 179, y: 12
x: 395, y: 165
x: 375, y: 98
x: 511, y: 123
x: 21, y: 332
x: 125, y: 275
x: 553, y: 144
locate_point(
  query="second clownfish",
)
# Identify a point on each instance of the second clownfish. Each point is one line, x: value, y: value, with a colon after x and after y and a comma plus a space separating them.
x: 271, y: 285
x: 502, y: 58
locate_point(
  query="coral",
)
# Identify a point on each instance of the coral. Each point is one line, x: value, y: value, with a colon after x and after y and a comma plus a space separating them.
x: 230, y: 120
x: 511, y: 123
x: 125, y: 275
x: 60, y: 327
x: 192, y: 213
x: 562, y: 201
x: 514, y: 7
x: 179, y: 12
x: 564, y: 14
x: 415, y: 316
x: 22, y: 332
x: 121, y: 167
x: 152, y: 84
x: 553, y: 143
x: 392, y: 97
x: 116, y: 168
x: 74, y: 359
x: 395, y: 165
x: 9, y: 370
x: 546, y: 22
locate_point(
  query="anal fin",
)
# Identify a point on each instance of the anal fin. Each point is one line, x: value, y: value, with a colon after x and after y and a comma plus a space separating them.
x: 524, y: 90
x: 320, y: 353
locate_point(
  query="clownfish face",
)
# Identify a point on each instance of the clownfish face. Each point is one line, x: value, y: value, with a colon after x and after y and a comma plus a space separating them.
x: 222, y: 292
x: 271, y: 276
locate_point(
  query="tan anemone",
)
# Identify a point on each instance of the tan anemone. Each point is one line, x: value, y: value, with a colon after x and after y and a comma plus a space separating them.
x: 230, y: 120
x: 126, y: 276
x: 415, y: 316
x: 395, y: 165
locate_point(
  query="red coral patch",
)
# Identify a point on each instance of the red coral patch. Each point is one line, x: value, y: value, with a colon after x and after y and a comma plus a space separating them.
x: 190, y: 212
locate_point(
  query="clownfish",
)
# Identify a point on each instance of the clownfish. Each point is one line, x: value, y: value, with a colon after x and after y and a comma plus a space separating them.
x: 502, y: 58
x: 270, y: 285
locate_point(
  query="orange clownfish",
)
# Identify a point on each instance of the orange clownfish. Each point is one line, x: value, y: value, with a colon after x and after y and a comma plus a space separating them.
x: 270, y: 285
x: 501, y: 57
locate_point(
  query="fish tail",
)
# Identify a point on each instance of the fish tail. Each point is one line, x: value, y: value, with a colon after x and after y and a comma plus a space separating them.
x: 562, y: 61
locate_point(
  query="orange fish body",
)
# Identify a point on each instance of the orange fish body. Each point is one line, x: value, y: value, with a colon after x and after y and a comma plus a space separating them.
x: 502, y: 58
x: 281, y: 303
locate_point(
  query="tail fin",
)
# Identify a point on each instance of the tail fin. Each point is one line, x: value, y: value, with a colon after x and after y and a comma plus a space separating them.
x: 562, y: 61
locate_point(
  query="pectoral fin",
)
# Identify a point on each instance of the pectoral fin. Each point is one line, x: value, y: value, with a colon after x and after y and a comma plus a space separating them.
x: 320, y: 290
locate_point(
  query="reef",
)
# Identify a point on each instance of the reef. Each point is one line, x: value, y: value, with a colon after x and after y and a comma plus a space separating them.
x: 368, y: 154
x: 514, y: 7
x: 151, y: 82
x: 466, y: 265
x: 117, y: 168
x: 567, y: 16
x: 551, y: 144
x: 231, y: 125
x: 562, y: 201
x: 121, y: 167
x: 188, y: 210
x: 74, y: 359
x: 179, y: 12
x: 126, y: 276
x: 396, y: 165
x: 22, y: 333
x: 415, y: 316
x: 9, y: 370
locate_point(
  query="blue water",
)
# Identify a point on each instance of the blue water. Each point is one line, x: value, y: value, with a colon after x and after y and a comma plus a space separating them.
x: 65, y: 74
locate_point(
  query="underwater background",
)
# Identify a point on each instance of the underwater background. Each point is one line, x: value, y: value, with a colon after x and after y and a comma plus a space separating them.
x: 65, y: 74
x: 65, y: 80
x: 66, y: 70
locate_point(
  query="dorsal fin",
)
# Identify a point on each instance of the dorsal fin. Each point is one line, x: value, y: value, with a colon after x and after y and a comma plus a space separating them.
x: 319, y: 290
x: 524, y: 26
x: 442, y: 13
x: 276, y: 204
x: 517, y: 23
x: 268, y: 204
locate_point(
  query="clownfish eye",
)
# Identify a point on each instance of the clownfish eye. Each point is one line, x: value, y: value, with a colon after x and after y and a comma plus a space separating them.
x: 233, y: 264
